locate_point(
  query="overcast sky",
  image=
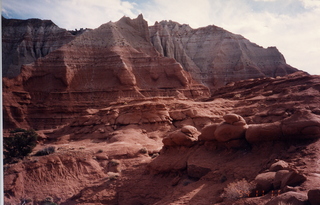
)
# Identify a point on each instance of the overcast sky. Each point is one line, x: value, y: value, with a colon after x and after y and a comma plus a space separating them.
x: 290, y: 25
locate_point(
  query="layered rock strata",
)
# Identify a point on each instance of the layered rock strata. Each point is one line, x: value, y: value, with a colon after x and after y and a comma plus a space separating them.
x: 131, y: 133
x: 111, y: 62
x: 215, y: 56
x: 24, y: 41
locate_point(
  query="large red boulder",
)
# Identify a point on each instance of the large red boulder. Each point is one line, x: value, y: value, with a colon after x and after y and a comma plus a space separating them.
x: 301, y: 125
x: 264, y: 181
x: 233, y: 128
x: 263, y: 132
x: 207, y: 133
x: 186, y: 136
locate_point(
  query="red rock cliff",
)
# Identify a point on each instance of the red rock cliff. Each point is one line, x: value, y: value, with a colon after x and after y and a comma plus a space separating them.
x: 114, y: 61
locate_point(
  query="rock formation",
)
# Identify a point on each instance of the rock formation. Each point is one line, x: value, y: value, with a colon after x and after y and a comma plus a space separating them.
x: 132, y: 126
x: 186, y: 136
x: 131, y: 132
x: 111, y: 62
x: 24, y: 41
x: 215, y: 56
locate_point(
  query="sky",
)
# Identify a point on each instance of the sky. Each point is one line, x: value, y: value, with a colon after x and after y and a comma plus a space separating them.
x: 293, y: 26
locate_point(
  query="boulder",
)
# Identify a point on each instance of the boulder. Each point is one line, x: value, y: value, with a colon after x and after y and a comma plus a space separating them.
x: 233, y: 118
x: 279, y: 165
x: 264, y: 181
x: 292, y: 198
x: 314, y: 196
x: 263, y: 132
x: 178, y: 138
x: 280, y: 175
x: 167, y: 142
x: 170, y: 160
x: 301, y: 125
x: 190, y: 131
x: 233, y: 128
x: 293, y: 178
x: 182, y: 139
x: 226, y: 132
x: 207, y: 133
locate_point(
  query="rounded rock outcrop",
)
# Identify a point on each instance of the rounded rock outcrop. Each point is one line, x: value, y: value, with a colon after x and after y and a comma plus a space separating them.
x: 207, y: 133
x: 233, y: 128
x: 186, y: 136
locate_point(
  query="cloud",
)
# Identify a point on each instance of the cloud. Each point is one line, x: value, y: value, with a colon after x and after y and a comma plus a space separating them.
x: 70, y: 14
x: 291, y: 25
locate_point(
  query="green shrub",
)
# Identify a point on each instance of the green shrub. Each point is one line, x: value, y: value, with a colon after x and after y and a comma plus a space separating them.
x: 20, y: 143
x: 17, y: 130
x: 46, y: 151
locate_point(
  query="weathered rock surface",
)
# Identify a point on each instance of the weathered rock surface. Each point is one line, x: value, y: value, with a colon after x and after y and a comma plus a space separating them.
x: 207, y: 133
x: 24, y: 41
x: 263, y: 132
x: 293, y: 198
x: 302, y: 124
x: 293, y: 178
x: 264, y: 181
x: 314, y: 196
x: 279, y: 165
x: 186, y: 136
x: 215, y: 56
x: 280, y: 175
x: 233, y: 128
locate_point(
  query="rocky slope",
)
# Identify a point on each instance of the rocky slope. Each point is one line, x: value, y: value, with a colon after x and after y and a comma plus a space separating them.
x: 24, y: 41
x: 215, y: 56
x: 119, y: 154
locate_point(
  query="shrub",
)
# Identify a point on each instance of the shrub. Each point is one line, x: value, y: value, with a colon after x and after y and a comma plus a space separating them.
x: 238, y: 189
x: 143, y: 150
x: 20, y: 143
x: 48, y: 201
x: 17, y: 130
x: 46, y: 151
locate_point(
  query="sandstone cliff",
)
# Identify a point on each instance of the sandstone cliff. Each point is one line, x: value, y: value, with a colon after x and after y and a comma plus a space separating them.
x: 113, y: 62
x: 24, y: 41
x: 215, y: 56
